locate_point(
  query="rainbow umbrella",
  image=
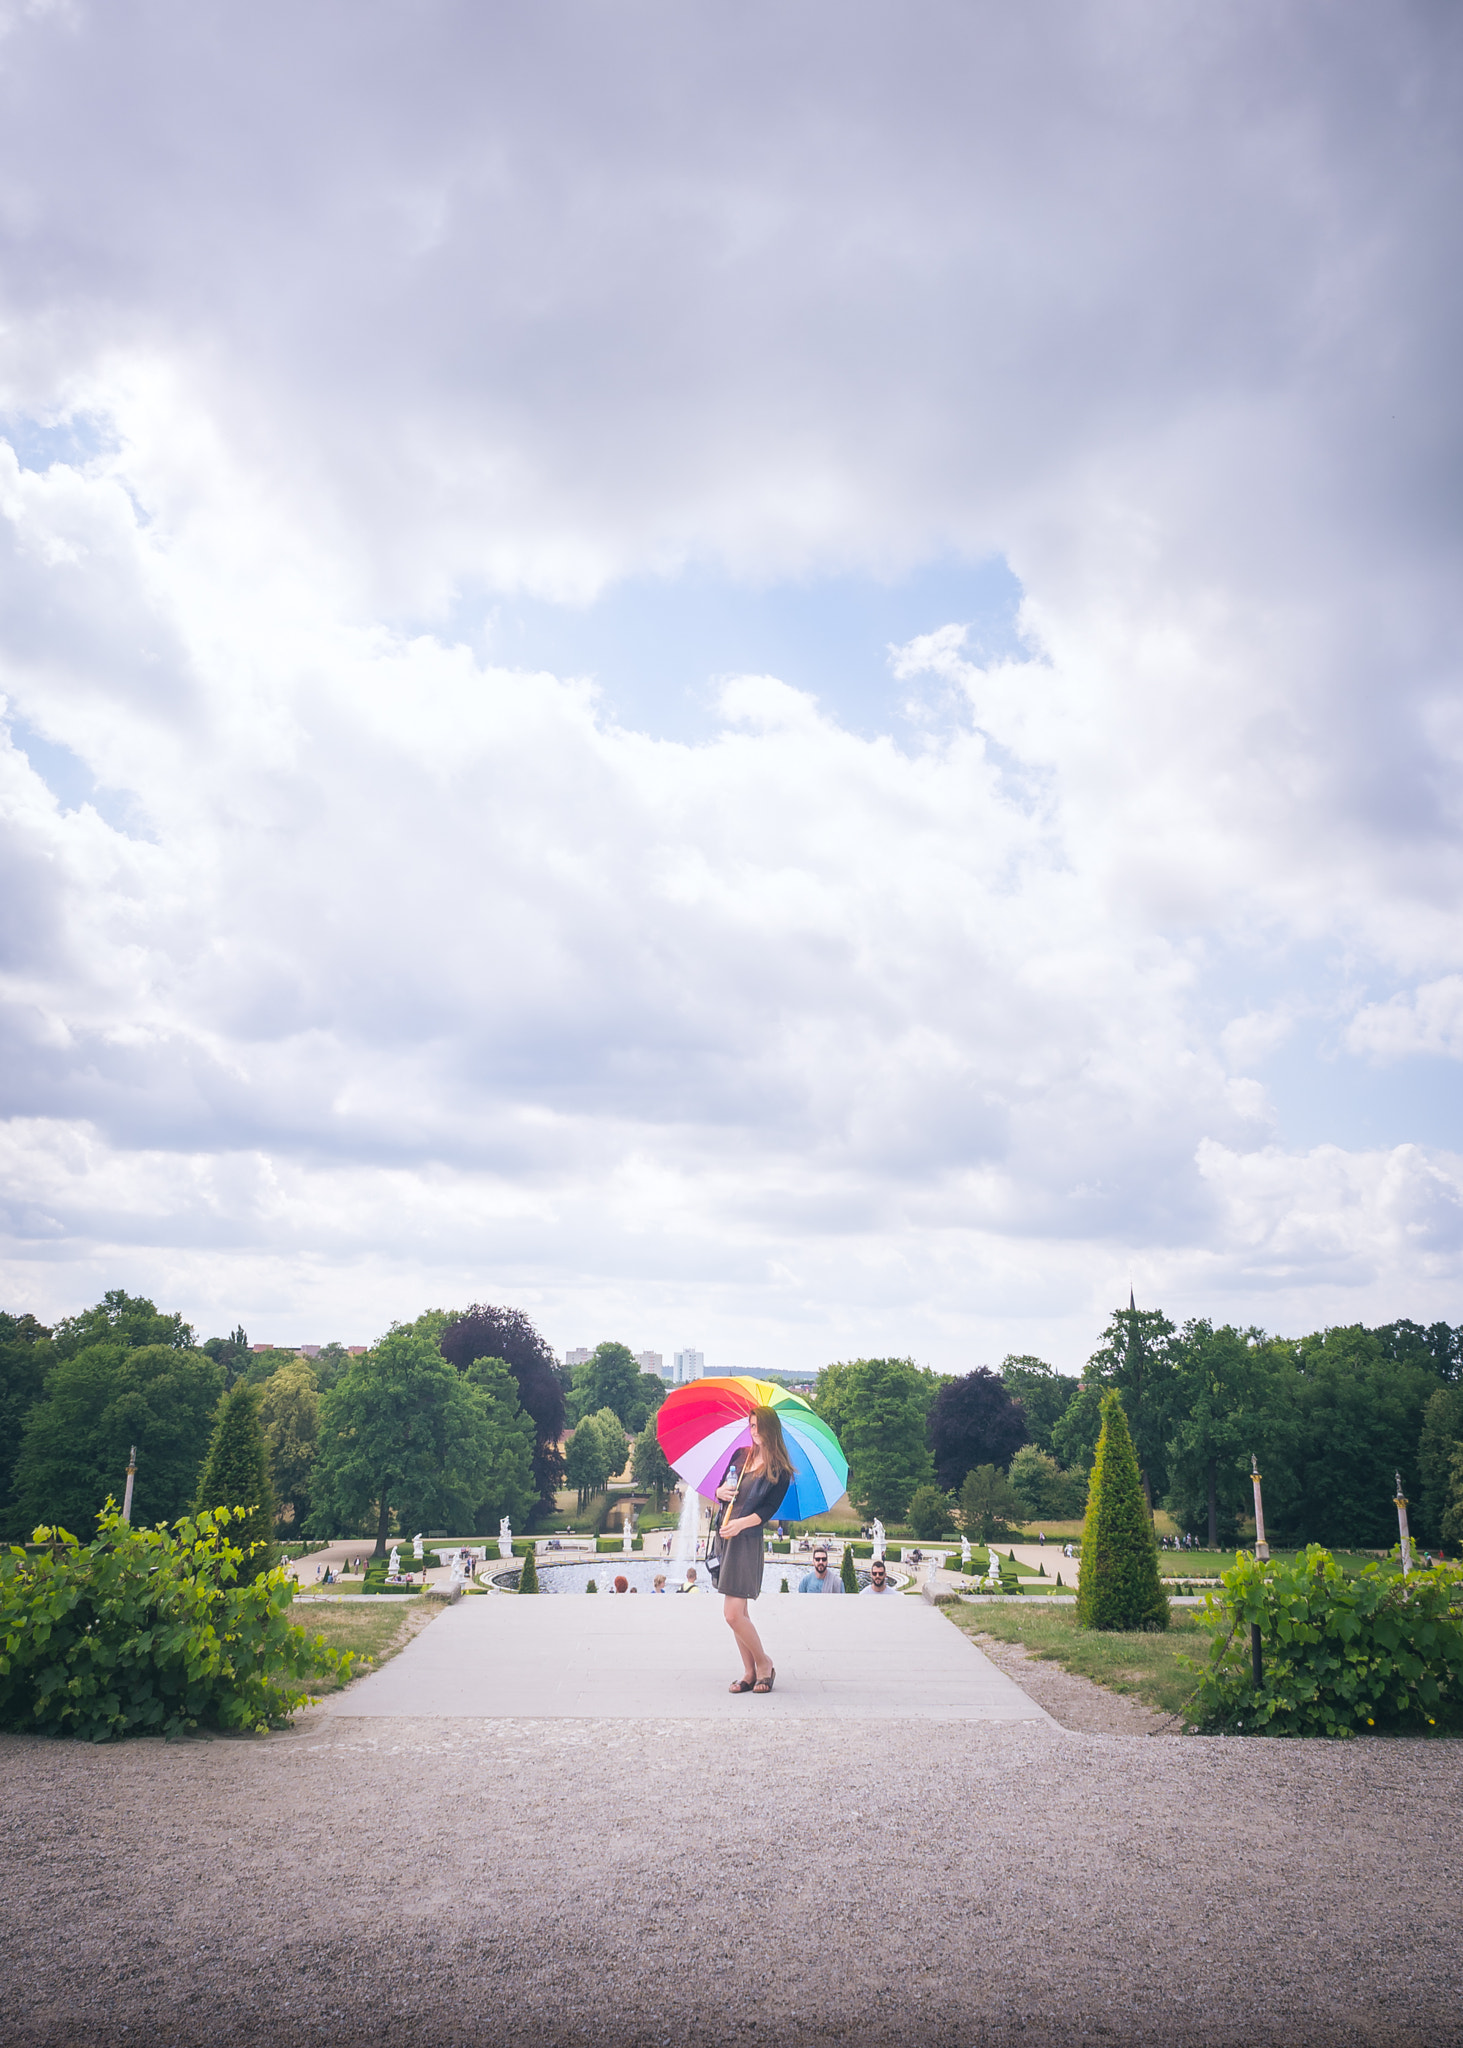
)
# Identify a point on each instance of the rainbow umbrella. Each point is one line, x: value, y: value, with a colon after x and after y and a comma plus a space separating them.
x: 702, y: 1424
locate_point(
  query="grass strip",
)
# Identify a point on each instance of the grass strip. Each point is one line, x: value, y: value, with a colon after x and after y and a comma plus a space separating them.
x: 374, y: 1634
x: 1142, y: 1665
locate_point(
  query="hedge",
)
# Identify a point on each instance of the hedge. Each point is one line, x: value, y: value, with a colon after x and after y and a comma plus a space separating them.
x: 1340, y: 1655
x: 148, y: 1631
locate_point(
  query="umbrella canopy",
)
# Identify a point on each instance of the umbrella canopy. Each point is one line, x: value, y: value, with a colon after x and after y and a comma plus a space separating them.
x: 702, y: 1424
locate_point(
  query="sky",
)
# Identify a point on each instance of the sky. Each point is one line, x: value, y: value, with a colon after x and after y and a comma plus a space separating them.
x: 784, y: 679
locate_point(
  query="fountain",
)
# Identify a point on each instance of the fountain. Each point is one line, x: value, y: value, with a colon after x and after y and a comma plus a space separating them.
x: 688, y: 1529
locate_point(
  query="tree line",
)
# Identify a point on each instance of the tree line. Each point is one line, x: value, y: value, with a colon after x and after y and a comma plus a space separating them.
x: 453, y: 1420
x: 1331, y: 1418
x: 457, y: 1419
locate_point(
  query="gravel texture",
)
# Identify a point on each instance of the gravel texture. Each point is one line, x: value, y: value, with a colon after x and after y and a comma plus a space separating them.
x: 555, y: 1882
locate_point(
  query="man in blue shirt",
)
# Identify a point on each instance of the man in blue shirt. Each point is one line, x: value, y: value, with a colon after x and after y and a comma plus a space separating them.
x: 820, y: 1579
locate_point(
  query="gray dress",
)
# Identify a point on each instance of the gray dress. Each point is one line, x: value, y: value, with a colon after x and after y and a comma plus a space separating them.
x: 740, y: 1577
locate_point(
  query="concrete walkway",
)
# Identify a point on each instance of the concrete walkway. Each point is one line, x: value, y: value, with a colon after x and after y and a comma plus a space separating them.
x: 673, y: 1658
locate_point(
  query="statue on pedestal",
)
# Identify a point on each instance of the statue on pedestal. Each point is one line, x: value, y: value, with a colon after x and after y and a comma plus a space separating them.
x: 505, y: 1538
x: 965, y: 1553
x: 878, y: 1539
x: 627, y: 1534
x: 417, y: 1548
x: 393, y: 1563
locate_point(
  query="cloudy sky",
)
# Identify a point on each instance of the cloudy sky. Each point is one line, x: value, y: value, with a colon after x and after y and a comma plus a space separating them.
x: 783, y: 677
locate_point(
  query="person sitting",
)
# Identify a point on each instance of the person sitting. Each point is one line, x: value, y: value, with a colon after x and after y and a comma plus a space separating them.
x: 820, y: 1579
x: 689, y: 1584
x: 878, y: 1578
x: 659, y: 1586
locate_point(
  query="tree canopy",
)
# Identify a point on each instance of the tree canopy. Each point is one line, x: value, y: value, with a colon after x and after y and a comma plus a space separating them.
x: 598, y: 1450
x: 236, y: 1475
x: 25, y: 1352
x: 401, y: 1430
x: 507, y: 1333
x: 651, y: 1469
x: 289, y: 1414
x: 1044, y: 1394
x: 508, y: 1485
x: 121, y: 1318
x: 879, y: 1409
x: 974, y: 1421
x: 97, y: 1403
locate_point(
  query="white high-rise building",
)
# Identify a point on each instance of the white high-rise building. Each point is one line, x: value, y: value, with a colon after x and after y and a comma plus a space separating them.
x: 578, y: 1357
x: 651, y: 1361
x: 689, y: 1365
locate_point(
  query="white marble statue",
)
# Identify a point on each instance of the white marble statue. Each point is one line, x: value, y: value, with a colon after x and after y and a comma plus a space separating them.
x: 627, y: 1535
x: 878, y: 1538
x: 393, y: 1563
x: 965, y: 1553
x: 505, y: 1538
x: 417, y: 1548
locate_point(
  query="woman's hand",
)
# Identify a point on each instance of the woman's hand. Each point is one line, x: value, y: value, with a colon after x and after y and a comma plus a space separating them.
x: 727, y: 1490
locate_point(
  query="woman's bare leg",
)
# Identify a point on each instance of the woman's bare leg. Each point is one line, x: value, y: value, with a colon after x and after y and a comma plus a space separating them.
x: 755, y: 1661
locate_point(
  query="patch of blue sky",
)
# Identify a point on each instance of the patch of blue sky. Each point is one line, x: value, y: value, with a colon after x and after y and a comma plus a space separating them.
x: 658, y: 647
x: 75, y: 439
x: 1324, y: 1095
x: 72, y: 783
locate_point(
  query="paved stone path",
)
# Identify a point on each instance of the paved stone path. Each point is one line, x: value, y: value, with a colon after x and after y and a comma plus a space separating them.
x: 648, y: 1657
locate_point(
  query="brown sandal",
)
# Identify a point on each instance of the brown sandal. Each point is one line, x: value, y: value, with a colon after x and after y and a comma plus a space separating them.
x: 741, y: 1685
x: 766, y: 1684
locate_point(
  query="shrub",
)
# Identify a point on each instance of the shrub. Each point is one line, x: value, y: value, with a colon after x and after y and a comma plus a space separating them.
x: 528, y: 1577
x: 149, y: 1631
x: 784, y: 1587
x: 846, y: 1571
x: 1339, y: 1655
x: 592, y: 1587
x: 929, y: 1513
x: 1119, y: 1586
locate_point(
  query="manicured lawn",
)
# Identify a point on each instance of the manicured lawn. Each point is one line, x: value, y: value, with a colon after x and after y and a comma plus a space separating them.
x: 369, y: 1632
x: 1144, y: 1665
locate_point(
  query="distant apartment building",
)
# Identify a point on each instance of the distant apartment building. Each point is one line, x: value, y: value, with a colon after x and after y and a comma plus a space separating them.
x: 689, y: 1365
x: 578, y: 1357
x: 651, y: 1361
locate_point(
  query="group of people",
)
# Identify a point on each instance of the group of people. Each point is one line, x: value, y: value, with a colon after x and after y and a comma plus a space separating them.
x: 821, y: 1580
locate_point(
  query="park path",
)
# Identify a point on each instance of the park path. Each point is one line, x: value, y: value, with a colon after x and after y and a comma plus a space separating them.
x: 891, y: 1659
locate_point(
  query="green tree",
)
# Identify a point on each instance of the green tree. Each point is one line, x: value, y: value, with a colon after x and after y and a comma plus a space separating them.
x: 928, y: 1513
x: 846, y: 1570
x: 289, y: 1413
x: 236, y: 1475
x: 598, y: 1450
x: 1045, y: 1491
x: 651, y: 1469
x: 1075, y: 1433
x: 610, y: 1379
x: 232, y: 1353
x: 988, y: 1503
x: 25, y: 1352
x: 528, y: 1577
x: 97, y: 1404
x: 1357, y: 1418
x: 1118, y: 1586
x: 879, y: 1408
x: 1135, y: 1357
x: 1044, y: 1393
x: 401, y: 1431
x: 1230, y: 1397
x: 126, y: 1319
x: 508, y: 1487
x: 1440, y: 1443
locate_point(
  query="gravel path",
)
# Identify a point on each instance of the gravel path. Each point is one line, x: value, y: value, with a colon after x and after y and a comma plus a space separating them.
x: 1076, y: 1702
x: 422, y: 1884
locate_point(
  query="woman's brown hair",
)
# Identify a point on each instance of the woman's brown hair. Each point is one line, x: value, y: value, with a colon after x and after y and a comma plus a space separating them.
x: 775, y: 1461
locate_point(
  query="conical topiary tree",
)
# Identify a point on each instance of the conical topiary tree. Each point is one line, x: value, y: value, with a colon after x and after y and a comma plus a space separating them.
x: 1118, y: 1585
x: 236, y: 1475
x: 846, y: 1571
x: 528, y: 1577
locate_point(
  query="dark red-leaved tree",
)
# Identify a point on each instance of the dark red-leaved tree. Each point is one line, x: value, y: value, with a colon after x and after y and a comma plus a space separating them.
x: 974, y: 1421
x: 507, y: 1333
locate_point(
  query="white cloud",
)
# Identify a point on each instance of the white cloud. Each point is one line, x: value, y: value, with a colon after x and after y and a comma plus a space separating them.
x: 1429, y: 1019
x: 408, y: 969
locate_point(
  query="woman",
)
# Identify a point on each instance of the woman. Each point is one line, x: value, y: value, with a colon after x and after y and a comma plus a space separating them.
x: 766, y: 1475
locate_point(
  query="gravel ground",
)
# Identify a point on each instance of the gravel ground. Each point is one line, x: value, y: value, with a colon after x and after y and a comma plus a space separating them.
x: 565, y: 1882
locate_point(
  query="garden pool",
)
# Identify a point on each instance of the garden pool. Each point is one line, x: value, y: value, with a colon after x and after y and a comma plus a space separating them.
x: 641, y: 1571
